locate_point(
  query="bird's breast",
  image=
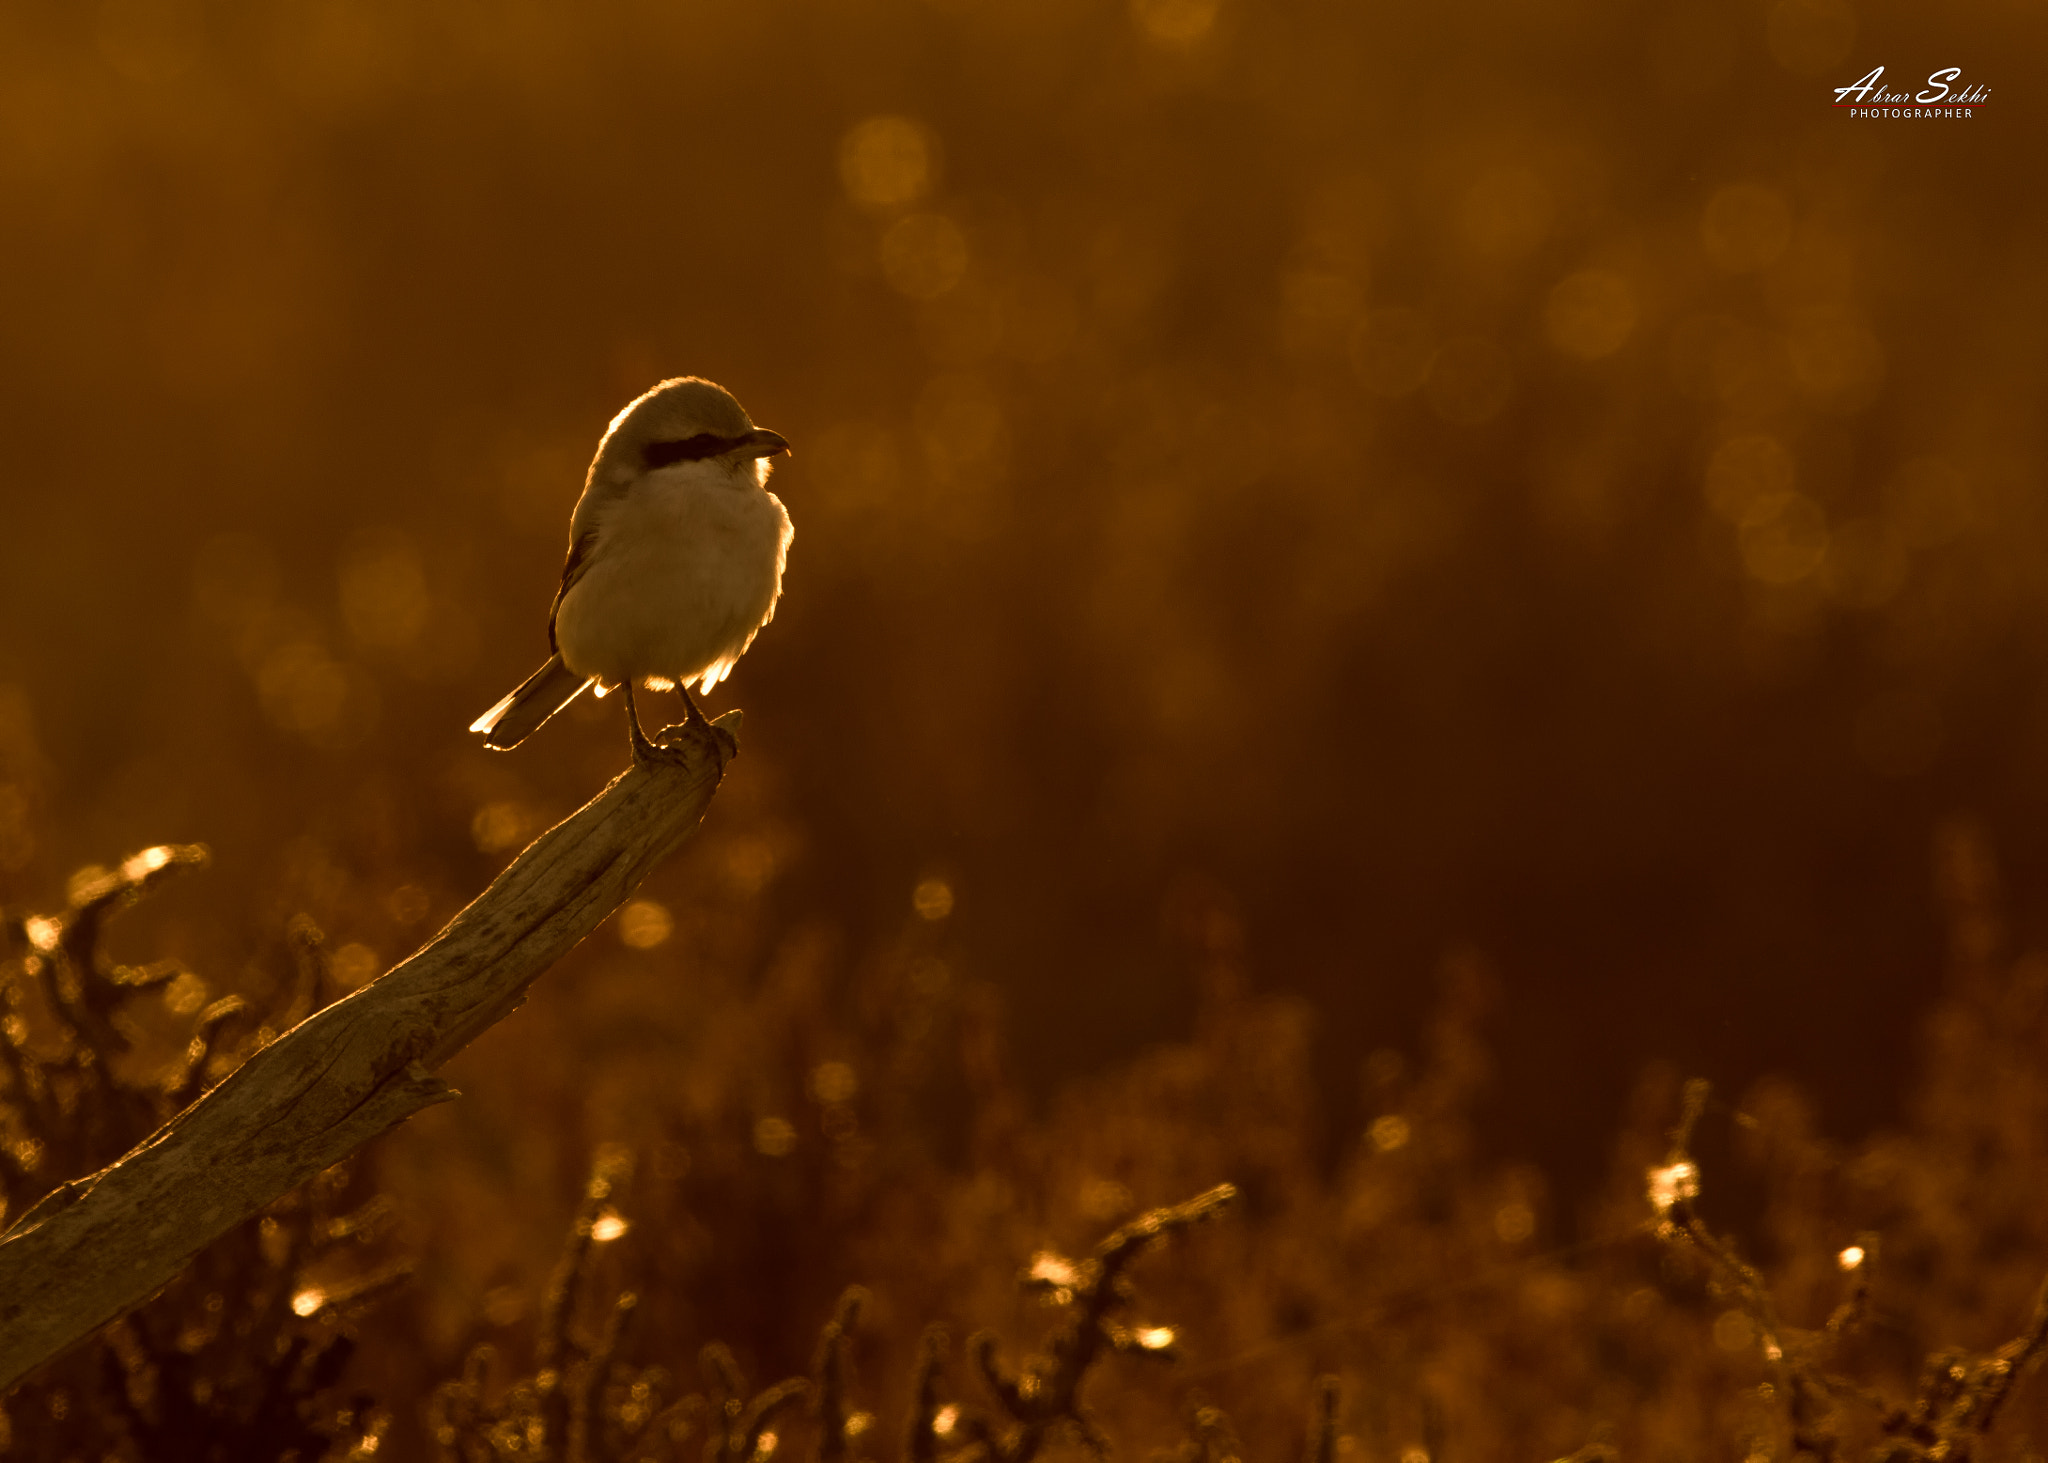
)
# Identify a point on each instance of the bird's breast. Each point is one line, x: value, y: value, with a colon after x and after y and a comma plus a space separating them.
x: 685, y: 569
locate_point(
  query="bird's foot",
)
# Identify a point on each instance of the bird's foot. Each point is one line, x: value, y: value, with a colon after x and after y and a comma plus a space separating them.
x: 643, y: 749
x: 676, y: 743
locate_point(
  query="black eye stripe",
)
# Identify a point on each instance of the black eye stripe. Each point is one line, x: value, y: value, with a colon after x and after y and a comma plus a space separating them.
x: 689, y: 449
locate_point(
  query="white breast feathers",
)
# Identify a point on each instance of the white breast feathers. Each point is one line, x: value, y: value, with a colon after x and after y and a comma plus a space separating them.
x: 685, y: 569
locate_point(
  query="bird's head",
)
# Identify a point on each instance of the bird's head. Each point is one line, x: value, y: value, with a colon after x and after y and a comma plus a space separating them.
x: 682, y: 421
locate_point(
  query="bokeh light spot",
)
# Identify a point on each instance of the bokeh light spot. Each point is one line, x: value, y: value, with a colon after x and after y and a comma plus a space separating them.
x: 1590, y: 314
x: 504, y: 1305
x: 774, y: 1137
x: 750, y: 862
x: 1749, y: 478
x: 1789, y: 544
x: 1053, y: 1270
x: 306, y: 691
x: 501, y: 825
x: 887, y: 162
x: 1672, y: 1183
x: 834, y: 1082
x: 1714, y: 357
x: 152, y: 41
x: 924, y: 255
x: 383, y: 592
x: 355, y: 965
x: 339, y: 55
x: 148, y: 861
x: 1514, y: 1222
x: 644, y: 924
x: 1103, y: 1200
x: 1734, y: 1331
x: 1175, y: 22
x: 932, y: 899
x: 185, y: 994
x: 960, y: 425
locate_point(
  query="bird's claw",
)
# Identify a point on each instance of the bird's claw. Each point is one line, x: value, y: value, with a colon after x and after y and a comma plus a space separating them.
x: 673, y: 743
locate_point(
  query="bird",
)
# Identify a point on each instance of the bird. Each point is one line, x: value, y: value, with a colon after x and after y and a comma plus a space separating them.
x: 676, y: 553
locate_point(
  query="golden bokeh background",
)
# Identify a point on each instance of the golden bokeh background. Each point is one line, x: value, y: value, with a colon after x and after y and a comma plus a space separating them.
x: 1532, y: 487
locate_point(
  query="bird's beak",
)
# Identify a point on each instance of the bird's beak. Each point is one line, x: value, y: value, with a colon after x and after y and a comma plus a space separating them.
x: 763, y: 443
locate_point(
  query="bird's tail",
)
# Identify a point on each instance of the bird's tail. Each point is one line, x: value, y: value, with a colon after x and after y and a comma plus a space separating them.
x: 537, y: 698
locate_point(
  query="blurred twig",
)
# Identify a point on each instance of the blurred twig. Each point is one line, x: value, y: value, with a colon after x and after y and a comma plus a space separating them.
x: 1212, y: 1439
x: 921, y: 1445
x: 1958, y: 1397
x: 740, y: 1423
x: 99, y: 1244
x: 1046, y: 1393
x: 73, y: 1109
x: 836, y: 1424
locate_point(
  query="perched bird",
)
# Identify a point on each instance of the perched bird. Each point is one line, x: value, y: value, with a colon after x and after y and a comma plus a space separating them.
x: 676, y: 551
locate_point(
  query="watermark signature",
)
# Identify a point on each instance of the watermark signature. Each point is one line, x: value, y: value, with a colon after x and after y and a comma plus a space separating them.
x: 1944, y: 95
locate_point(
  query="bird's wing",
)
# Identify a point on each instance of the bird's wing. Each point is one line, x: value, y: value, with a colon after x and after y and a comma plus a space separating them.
x: 579, y: 564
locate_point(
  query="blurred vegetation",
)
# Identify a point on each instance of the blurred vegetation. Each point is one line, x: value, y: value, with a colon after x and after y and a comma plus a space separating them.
x: 1417, y: 1302
x: 1289, y: 498
x: 239, y: 1355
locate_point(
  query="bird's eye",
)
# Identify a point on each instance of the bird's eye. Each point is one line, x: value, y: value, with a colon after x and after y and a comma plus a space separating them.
x: 688, y: 449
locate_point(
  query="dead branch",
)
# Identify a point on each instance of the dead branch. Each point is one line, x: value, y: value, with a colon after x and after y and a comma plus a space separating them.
x: 100, y: 1244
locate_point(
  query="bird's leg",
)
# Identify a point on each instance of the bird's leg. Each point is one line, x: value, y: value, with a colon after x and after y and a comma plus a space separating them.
x: 643, y: 750
x: 692, y: 715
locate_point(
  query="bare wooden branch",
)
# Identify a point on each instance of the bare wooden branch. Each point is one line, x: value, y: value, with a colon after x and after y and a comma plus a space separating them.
x: 99, y: 1245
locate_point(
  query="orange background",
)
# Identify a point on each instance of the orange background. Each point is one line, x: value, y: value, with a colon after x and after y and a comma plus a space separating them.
x: 1533, y: 484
